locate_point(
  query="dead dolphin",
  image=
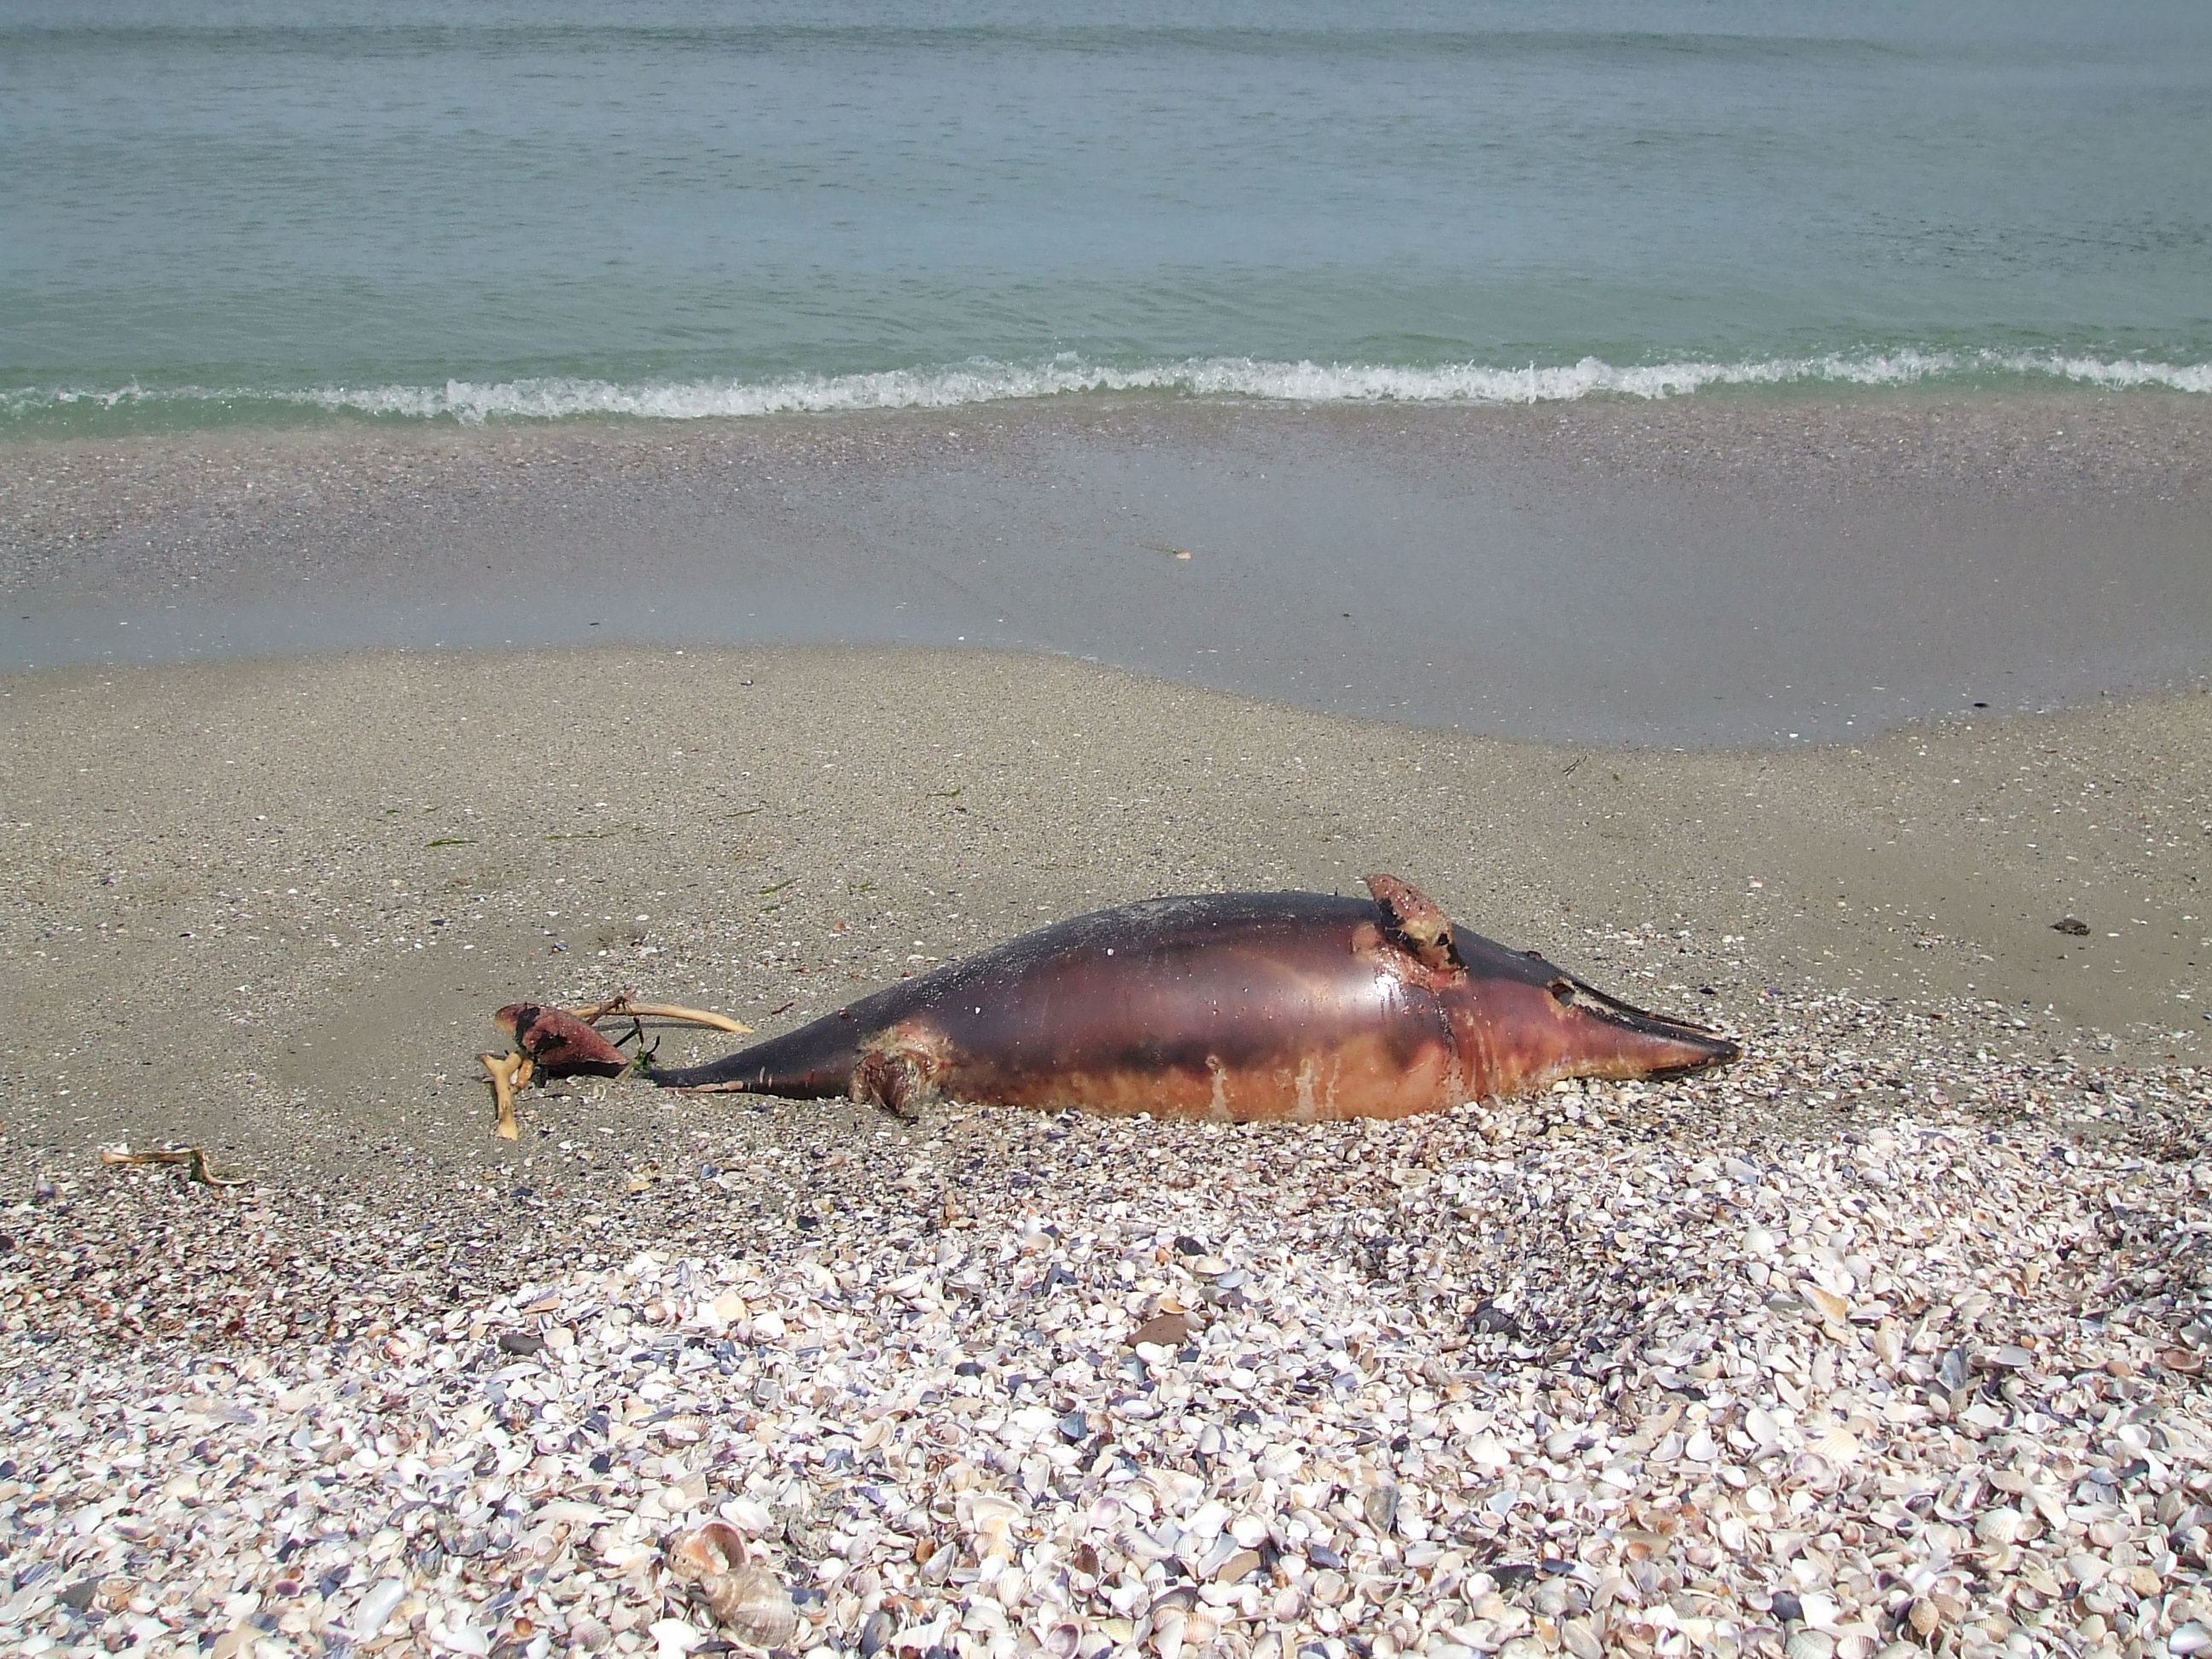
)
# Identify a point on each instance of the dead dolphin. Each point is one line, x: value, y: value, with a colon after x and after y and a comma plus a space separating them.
x: 1225, y: 1005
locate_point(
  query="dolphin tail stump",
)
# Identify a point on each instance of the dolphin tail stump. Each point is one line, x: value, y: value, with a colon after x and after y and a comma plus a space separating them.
x: 551, y: 1041
x: 1232, y: 1006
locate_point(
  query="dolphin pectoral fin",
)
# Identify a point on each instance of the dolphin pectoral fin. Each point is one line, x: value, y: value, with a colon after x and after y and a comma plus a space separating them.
x: 1418, y: 922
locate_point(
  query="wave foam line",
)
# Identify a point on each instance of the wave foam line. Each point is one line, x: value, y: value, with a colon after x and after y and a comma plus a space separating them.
x: 471, y: 402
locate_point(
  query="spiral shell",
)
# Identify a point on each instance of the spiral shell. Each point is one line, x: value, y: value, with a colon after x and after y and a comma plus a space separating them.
x: 709, y: 1552
x: 753, y: 1605
x: 746, y: 1598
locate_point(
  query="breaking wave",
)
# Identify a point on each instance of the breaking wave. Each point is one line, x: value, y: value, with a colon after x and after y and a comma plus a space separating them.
x: 551, y: 398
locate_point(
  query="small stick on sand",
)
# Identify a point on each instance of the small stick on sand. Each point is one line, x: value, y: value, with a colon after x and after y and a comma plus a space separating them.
x: 195, y: 1156
x: 509, y: 1074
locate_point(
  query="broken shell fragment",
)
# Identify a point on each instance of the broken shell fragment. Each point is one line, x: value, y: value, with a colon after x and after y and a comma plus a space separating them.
x: 1167, y: 1330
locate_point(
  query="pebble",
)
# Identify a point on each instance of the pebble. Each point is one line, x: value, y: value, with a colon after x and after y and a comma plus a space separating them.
x: 1629, y: 1370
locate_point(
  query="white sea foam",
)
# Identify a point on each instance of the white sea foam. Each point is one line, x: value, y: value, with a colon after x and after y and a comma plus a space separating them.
x: 471, y: 403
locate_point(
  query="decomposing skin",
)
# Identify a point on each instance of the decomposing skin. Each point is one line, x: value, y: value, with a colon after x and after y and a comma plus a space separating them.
x: 559, y: 1042
x: 1229, y: 1005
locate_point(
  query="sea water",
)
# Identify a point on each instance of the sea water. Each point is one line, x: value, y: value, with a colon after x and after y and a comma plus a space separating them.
x: 217, y: 212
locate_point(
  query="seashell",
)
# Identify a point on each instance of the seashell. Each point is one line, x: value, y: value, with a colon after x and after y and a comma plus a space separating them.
x: 2087, y: 1570
x: 704, y: 1551
x: 753, y: 1605
x: 1889, y: 1341
x: 1813, y: 1469
x: 748, y: 1516
x: 987, y: 1515
x: 1998, y: 1528
x: 375, y: 1607
x: 745, y: 1599
x: 1240, y: 1566
x: 1380, y: 1506
x: 1839, y: 1446
x: 675, y: 1637
x: 685, y: 1430
x: 1826, y: 1302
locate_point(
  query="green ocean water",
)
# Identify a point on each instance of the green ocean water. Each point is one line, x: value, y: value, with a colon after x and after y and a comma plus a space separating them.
x: 221, y: 213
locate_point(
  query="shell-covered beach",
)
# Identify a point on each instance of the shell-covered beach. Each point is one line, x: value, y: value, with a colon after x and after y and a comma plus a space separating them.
x: 1740, y: 1366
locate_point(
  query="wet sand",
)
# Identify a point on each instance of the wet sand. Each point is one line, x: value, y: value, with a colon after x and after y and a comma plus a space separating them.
x: 1722, y: 571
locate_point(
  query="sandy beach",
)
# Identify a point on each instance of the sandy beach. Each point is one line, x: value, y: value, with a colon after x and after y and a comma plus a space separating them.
x: 1891, y: 1334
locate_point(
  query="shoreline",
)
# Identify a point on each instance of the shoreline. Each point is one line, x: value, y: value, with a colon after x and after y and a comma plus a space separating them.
x: 1713, y: 573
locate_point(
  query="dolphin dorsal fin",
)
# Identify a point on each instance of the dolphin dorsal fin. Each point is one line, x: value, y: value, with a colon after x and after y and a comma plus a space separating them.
x: 1418, y: 920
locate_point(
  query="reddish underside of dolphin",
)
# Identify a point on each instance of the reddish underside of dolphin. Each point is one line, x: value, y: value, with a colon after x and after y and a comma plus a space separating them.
x: 1234, y: 1006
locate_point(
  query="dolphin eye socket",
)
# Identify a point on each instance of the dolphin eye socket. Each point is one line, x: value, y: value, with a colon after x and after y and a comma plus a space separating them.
x: 1563, y: 989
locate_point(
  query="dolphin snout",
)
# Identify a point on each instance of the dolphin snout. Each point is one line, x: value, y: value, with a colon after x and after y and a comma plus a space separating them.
x: 1640, y: 1043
